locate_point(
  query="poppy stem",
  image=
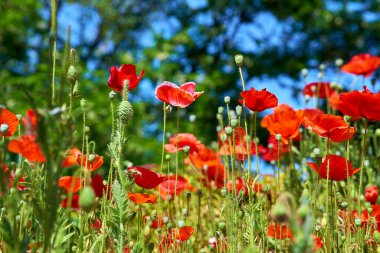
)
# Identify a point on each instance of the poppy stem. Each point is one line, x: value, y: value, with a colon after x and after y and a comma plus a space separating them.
x: 328, y: 189
x: 362, y: 161
x: 176, y: 160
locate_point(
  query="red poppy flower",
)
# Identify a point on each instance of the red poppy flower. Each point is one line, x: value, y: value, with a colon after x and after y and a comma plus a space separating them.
x: 258, y: 101
x: 371, y: 194
x: 30, y: 122
x: 91, y: 162
x: 209, y: 163
x: 98, y: 186
x: 309, y: 114
x: 184, y: 233
x: 74, y: 202
x: 241, y: 185
x: 362, y: 64
x: 71, y: 158
x: 334, y: 100
x: 284, y: 121
x: 332, y: 127
x: 182, y: 96
x: 71, y: 184
x: 142, y: 198
x: 146, y: 178
x: 27, y: 146
x: 171, y: 186
x: 9, y: 119
x: 360, y: 104
x: 158, y: 223
x: 279, y: 231
x: 274, y: 150
x: 338, y: 170
x: 126, y: 74
x: 318, y: 243
x: 184, y: 139
x: 317, y: 89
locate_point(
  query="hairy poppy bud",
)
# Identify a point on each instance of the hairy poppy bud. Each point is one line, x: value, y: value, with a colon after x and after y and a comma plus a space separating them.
x: 234, y: 123
x: 4, y: 128
x: 239, y: 60
x: 358, y: 221
x: 304, y: 72
x: 228, y: 130
x: 280, y: 213
x: 186, y: 149
x: 338, y: 62
x: 220, y: 109
x: 72, y: 74
x: 112, y: 94
x: 227, y: 100
x: 125, y: 112
x: 239, y: 110
x: 87, y: 198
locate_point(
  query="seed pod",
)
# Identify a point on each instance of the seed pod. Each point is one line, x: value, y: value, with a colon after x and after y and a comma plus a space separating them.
x: 125, y: 112
x: 239, y: 60
x: 72, y: 75
x: 87, y: 199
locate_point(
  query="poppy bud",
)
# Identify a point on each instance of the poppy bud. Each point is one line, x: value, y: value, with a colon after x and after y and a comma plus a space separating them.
x: 234, y: 123
x: 223, y: 137
x: 166, y: 220
x: 344, y: 205
x: 4, y: 128
x: 376, y: 236
x: 19, y: 116
x: 199, y: 193
x: 322, y: 66
x: 112, y: 94
x: 154, y: 214
x: 168, y: 108
x: 247, y: 138
x: 220, y: 109
x: 320, y: 75
x: 184, y: 211
x: 91, y: 158
x: 83, y: 104
x: 347, y: 118
x: 280, y: 213
x: 239, y: 60
x: 168, y: 157
x: 146, y: 230
x: 18, y: 173
x: 369, y: 209
x: 223, y: 191
x: 87, y: 198
x: 188, y: 195
x: 228, y: 130
x: 181, y: 223
x: 239, y: 110
x: 304, y: 72
x: 18, y: 218
x: 342, y: 184
x: 227, y: 100
x: 358, y: 222
x: 222, y: 225
x: 186, y: 149
x: 338, y: 62
x: 125, y: 112
x: 316, y: 151
x: 307, y: 98
x: 72, y: 74
x: 278, y: 137
x: 192, y: 118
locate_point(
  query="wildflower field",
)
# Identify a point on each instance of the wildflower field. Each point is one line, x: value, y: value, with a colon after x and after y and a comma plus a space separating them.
x: 311, y: 185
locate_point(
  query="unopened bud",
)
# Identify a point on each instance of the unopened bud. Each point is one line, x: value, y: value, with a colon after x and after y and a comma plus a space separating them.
x: 4, y: 128
x: 72, y: 74
x: 227, y: 100
x: 168, y: 157
x: 239, y: 110
x: 239, y: 60
x: 234, y: 123
x: 125, y: 112
x: 87, y: 198
x: 278, y: 137
x: 338, y: 62
x: 304, y: 72
x: 220, y: 109
x: 112, y: 94
x: 228, y: 130
x: 186, y: 149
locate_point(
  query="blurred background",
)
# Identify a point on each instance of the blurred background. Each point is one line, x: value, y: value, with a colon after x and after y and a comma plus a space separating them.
x: 177, y: 41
